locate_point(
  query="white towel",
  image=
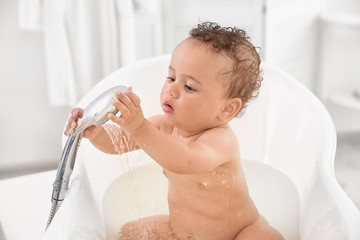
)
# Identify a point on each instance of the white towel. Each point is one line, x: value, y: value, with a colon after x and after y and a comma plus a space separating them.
x: 59, y: 61
x: 126, y: 31
x: 85, y: 40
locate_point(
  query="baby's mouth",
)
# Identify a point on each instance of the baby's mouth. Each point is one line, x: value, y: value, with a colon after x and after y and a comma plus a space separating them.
x: 167, y: 108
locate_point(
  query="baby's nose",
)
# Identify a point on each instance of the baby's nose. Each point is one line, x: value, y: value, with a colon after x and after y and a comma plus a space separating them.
x: 173, y: 90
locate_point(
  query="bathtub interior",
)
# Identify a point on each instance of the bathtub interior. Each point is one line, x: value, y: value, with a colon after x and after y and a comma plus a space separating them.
x: 136, y: 194
x: 132, y: 186
x: 142, y: 192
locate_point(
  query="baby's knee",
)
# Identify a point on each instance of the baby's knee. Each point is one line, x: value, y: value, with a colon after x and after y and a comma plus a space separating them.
x: 151, y: 228
x: 259, y: 231
x: 132, y: 231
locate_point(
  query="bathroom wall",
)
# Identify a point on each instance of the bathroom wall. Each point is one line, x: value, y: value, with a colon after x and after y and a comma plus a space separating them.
x: 344, y: 6
x: 30, y: 130
x: 292, y: 37
x: 182, y: 15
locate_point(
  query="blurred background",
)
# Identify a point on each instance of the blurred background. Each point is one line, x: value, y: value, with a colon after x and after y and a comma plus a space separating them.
x: 52, y: 52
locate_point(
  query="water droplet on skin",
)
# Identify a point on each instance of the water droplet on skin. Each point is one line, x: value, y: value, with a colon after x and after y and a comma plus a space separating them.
x: 223, y: 182
x: 201, y: 185
x: 239, y: 213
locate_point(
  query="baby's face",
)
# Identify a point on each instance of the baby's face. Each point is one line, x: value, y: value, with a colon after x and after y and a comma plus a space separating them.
x: 193, y: 94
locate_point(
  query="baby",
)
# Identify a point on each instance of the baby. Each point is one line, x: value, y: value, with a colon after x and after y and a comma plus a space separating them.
x: 211, y: 77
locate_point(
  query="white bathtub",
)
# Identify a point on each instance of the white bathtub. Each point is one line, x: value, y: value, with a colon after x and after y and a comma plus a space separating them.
x: 287, y: 140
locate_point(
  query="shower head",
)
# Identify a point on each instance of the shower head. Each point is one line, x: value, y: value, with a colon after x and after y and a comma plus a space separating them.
x: 95, y: 114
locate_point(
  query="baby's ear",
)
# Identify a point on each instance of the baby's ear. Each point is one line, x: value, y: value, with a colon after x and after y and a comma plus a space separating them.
x: 231, y: 107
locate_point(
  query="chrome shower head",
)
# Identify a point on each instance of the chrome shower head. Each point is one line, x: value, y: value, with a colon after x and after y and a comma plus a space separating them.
x: 95, y: 114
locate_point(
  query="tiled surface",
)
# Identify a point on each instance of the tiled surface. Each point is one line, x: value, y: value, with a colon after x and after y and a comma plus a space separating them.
x: 347, y: 165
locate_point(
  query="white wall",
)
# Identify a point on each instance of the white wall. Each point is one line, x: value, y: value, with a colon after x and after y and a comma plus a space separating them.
x: 30, y: 130
x: 344, y: 6
x: 183, y: 15
x: 292, y: 33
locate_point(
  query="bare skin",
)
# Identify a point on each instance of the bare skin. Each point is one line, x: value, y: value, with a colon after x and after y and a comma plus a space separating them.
x: 208, y: 197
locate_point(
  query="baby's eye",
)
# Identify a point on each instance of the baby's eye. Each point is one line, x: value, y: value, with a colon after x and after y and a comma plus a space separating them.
x: 170, y: 79
x: 189, y: 89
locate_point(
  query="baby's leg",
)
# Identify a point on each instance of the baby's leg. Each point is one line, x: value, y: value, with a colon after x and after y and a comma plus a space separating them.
x: 260, y: 230
x: 150, y: 228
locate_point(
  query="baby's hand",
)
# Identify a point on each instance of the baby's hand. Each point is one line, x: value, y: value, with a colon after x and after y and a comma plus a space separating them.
x: 128, y: 103
x: 72, y: 124
x: 76, y: 114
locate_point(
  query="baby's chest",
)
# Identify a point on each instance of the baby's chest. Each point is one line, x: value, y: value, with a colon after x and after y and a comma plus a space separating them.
x: 203, y: 182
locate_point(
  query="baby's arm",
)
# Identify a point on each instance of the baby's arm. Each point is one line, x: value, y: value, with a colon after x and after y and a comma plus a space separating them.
x: 209, y: 151
x: 203, y: 154
x: 99, y: 137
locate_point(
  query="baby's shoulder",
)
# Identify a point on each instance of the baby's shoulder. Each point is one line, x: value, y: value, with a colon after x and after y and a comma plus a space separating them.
x: 223, y: 132
x: 223, y: 137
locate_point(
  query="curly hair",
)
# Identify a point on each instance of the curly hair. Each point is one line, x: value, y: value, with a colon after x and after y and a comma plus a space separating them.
x: 245, y: 73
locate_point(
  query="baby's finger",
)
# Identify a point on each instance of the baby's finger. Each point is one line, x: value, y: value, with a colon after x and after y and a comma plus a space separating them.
x: 123, y: 98
x: 123, y: 109
x: 71, y: 130
x: 115, y: 119
x: 70, y: 121
x: 77, y: 113
x: 133, y: 97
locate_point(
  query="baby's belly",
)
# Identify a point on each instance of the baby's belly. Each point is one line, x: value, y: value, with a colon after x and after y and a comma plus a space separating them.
x: 210, y: 219
x: 209, y: 206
